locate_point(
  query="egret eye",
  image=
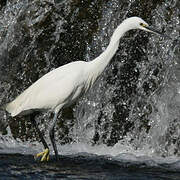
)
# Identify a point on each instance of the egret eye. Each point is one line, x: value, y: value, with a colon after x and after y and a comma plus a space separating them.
x: 143, y: 25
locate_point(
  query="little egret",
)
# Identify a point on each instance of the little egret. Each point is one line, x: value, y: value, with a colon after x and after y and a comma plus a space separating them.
x: 63, y: 86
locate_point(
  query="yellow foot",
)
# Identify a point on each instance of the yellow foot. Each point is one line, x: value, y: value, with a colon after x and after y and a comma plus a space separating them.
x: 44, y: 154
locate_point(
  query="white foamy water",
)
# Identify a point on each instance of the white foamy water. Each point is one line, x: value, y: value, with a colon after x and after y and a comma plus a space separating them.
x: 120, y: 152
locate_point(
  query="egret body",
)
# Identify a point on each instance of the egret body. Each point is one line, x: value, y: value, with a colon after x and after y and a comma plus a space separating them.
x: 62, y: 86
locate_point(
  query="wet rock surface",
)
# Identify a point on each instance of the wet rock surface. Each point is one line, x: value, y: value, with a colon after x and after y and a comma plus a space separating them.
x: 38, y: 36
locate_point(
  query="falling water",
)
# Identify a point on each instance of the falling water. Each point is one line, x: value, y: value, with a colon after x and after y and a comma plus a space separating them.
x: 135, y: 109
x: 131, y: 113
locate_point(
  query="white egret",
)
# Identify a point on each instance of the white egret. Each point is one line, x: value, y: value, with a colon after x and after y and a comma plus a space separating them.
x: 62, y: 86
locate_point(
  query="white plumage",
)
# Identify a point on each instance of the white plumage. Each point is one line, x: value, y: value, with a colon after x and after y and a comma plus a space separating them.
x: 52, y: 91
x: 64, y: 85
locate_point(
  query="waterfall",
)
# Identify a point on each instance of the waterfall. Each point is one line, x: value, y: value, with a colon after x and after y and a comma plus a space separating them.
x: 133, y: 107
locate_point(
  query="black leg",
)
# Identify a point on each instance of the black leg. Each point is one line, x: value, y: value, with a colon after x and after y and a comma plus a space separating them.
x: 51, y: 135
x: 33, y: 121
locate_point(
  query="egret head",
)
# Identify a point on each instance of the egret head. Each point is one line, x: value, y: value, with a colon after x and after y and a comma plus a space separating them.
x: 138, y: 23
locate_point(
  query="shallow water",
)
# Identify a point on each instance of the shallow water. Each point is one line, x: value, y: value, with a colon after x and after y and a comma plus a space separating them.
x: 101, y: 162
x: 81, y: 166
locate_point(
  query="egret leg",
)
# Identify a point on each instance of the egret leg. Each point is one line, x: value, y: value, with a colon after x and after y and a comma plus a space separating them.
x: 51, y: 135
x: 45, y: 153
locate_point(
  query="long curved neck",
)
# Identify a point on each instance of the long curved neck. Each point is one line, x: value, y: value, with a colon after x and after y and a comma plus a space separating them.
x: 98, y: 64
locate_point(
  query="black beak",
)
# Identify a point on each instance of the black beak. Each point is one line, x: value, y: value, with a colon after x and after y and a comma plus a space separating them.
x: 151, y: 29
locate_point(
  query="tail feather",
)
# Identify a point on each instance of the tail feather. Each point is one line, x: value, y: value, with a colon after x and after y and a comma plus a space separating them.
x: 9, y: 107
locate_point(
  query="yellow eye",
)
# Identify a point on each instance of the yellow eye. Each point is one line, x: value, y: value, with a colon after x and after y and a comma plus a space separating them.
x: 143, y: 25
